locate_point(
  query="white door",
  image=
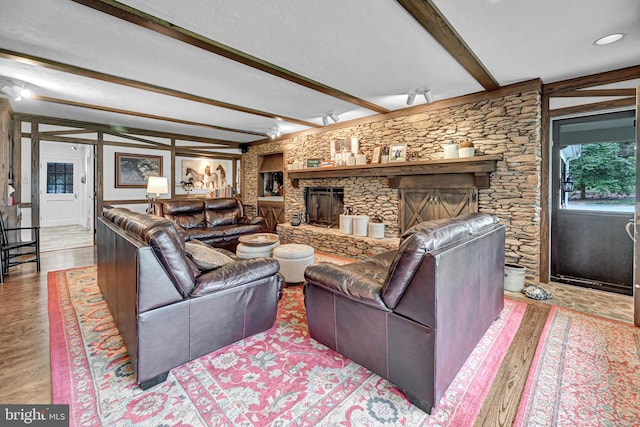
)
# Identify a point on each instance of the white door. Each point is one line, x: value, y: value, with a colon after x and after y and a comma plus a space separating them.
x: 59, y: 191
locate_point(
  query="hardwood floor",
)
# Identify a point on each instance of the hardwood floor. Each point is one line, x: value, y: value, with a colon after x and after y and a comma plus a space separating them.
x: 25, y: 373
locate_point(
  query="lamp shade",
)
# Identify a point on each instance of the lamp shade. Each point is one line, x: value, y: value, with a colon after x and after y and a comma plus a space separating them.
x: 158, y: 185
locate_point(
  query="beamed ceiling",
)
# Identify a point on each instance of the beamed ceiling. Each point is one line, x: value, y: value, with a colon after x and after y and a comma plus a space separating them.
x: 229, y: 71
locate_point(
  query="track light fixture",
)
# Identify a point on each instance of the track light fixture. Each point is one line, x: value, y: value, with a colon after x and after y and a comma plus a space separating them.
x: 428, y: 96
x: 325, y: 120
x: 274, y: 132
x: 15, y: 91
x: 330, y: 115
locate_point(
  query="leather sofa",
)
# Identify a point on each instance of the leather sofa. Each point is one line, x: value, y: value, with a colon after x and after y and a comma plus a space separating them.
x: 167, y: 310
x: 413, y: 315
x: 217, y: 222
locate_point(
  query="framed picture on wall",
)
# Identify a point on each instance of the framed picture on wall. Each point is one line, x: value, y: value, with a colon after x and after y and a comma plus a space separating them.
x: 133, y: 170
x: 398, y: 153
x: 206, y: 174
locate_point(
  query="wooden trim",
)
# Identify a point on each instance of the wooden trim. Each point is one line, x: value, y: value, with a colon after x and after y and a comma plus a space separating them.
x: 595, y: 93
x: 527, y: 86
x: 136, y: 131
x: 144, y: 141
x: 99, y: 167
x: 66, y: 132
x: 428, y: 15
x: 67, y: 139
x: 17, y: 161
x: 636, y: 243
x: 475, y: 165
x: 85, y: 72
x: 35, y: 175
x: 153, y: 23
x: 596, y: 106
x: 544, y: 259
x: 139, y: 114
x: 615, y: 76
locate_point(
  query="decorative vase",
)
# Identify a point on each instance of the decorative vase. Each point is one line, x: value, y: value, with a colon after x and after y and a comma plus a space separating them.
x: 376, y: 230
x: 360, y: 223
x: 450, y: 151
x: 466, y: 151
x: 346, y: 224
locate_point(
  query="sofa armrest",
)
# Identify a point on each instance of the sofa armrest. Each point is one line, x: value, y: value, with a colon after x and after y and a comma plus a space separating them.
x: 256, y: 220
x: 345, y: 281
x: 235, y: 274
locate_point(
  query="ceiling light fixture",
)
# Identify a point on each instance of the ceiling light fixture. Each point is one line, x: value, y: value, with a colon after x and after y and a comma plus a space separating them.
x: 428, y: 96
x: 334, y: 117
x: 15, y: 91
x: 325, y: 120
x: 274, y: 132
x: 608, y: 39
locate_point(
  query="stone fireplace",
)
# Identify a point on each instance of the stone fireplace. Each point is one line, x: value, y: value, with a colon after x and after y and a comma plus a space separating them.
x: 323, y: 205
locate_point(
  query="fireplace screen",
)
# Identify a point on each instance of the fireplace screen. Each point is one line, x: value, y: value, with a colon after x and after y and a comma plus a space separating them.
x: 324, y: 205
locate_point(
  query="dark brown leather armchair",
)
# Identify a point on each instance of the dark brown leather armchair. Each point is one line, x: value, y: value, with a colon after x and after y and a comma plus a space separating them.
x: 167, y: 311
x: 413, y: 315
x: 217, y: 222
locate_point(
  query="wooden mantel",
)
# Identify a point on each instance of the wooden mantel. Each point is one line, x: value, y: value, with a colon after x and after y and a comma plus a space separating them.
x: 479, y: 166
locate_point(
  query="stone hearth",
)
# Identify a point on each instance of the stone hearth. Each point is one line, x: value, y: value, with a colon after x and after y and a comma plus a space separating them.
x: 331, y: 241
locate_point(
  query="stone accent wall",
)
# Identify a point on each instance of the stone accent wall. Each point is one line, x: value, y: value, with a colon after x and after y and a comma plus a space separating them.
x: 508, y: 126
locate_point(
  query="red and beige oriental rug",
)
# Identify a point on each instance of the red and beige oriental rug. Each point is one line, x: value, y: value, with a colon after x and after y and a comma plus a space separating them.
x: 280, y: 377
x: 586, y: 372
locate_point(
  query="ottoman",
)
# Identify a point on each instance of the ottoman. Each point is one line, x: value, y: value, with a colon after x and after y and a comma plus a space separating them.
x: 293, y: 259
x: 244, y: 251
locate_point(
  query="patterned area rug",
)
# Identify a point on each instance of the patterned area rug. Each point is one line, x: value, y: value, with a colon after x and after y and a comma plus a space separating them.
x: 586, y: 372
x: 280, y: 377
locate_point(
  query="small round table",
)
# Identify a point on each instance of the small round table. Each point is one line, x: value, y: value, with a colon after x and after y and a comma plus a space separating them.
x: 257, y: 245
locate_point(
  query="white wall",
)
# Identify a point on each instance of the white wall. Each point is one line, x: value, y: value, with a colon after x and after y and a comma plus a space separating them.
x: 110, y: 192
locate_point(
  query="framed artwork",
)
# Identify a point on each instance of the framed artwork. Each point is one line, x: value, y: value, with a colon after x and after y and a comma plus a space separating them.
x: 313, y: 163
x: 206, y: 174
x: 375, y: 158
x: 133, y: 170
x: 340, y: 146
x: 398, y: 153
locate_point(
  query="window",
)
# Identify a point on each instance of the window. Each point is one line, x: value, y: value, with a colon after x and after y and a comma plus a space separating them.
x: 59, y: 178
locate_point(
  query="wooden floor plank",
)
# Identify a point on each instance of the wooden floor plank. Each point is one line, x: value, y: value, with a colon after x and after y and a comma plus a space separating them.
x: 25, y: 369
x: 501, y: 404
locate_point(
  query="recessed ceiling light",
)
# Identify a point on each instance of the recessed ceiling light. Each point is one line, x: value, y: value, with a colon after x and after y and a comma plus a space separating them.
x: 611, y: 38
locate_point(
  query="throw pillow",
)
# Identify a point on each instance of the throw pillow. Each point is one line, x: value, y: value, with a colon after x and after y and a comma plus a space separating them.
x: 205, y: 257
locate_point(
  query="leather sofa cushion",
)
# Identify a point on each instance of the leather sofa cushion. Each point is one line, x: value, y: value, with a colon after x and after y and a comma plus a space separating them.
x: 182, y: 207
x: 238, y: 230
x: 218, y: 217
x: 205, y: 233
x: 222, y: 203
x: 168, y: 248
x: 447, y: 230
x: 205, y: 257
x: 188, y: 221
x: 359, y: 281
x: 235, y: 274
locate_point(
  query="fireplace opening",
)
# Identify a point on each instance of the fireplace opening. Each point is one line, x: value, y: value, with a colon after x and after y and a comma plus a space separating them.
x: 324, y: 205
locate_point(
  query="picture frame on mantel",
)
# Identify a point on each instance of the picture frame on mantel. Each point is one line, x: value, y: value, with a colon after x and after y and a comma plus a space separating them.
x: 133, y: 170
x: 375, y: 157
x: 397, y: 153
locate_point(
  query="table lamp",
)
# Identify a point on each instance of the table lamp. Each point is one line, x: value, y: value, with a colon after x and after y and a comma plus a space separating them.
x: 158, y: 185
